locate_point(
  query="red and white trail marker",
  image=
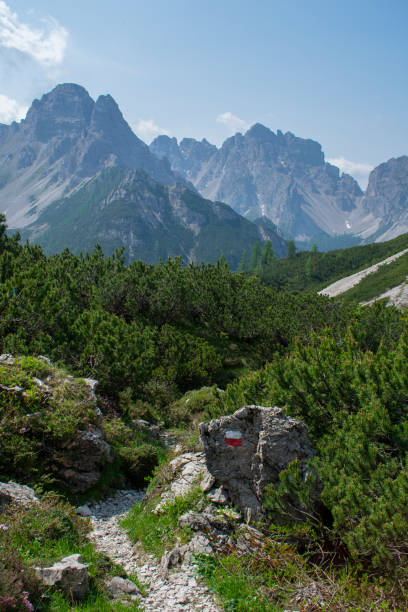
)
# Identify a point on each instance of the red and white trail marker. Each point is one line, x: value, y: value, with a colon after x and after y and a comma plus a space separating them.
x: 233, y: 438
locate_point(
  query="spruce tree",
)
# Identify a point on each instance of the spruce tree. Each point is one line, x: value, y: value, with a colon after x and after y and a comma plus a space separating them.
x: 255, y: 259
x: 291, y: 249
x: 243, y: 264
x: 267, y: 254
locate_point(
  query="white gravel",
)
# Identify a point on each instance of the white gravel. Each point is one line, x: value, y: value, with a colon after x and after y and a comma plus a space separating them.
x: 348, y: 282
x: 179, y: 590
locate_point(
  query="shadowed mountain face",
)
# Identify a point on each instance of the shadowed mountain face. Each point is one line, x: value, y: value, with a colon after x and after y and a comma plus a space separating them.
x: 286, y: 179
x: 150, y: 220
x: 66, y: 139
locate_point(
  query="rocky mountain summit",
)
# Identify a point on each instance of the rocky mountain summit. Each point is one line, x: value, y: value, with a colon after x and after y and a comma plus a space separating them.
x: 64, y: 141
x: 286, y: 178
x: 73, y: 173
x: 386, y: 198
x: 280, y: 176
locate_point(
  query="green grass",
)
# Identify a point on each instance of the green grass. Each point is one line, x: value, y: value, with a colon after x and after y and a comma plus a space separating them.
x: 387, y: 276
x: 239, y: 588
x: 40, y: 535
x: 306, y: 271
x: 158, y: 532
x: 95, y: 603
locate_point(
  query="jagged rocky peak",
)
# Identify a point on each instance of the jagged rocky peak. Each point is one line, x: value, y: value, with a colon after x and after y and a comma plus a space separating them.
x: 164, y: 146
x: 67, y: 108
x: 65, y: 139
x: 185, y: 157
x: 202, y: 149
x: 294, y: 149
x: 387, y: 190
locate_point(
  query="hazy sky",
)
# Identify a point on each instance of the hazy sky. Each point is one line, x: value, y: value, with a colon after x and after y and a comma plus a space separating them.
x: 333, y: 71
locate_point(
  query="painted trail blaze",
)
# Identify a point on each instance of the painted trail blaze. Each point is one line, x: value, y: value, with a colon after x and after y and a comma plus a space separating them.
x: 233, y: 438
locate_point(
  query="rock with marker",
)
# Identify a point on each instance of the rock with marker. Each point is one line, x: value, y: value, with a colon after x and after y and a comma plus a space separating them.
x: 247, y: 450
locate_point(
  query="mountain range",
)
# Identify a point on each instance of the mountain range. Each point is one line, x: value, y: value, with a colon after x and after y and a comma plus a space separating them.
x: 73, y: 173
x: 287, y: 179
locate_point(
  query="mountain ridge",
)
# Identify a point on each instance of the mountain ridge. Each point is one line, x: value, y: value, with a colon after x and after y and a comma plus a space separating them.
x: 287, y: 179
x: 150, y: 220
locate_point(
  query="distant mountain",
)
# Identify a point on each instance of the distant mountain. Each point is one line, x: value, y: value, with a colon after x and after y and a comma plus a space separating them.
x: 278, y: 176
x: 62, y: 150
x: 188, y: 157
x: 286, y: 179
x: 151, y: 220
x: 66, y: 139
x: 385, y: 201
x: 73, y: 173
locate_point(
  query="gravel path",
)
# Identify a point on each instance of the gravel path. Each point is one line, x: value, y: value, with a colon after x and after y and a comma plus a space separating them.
x: 348, y: 282
x: 180, y: 590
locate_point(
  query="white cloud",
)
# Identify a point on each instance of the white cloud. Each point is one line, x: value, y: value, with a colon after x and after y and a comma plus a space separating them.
x: 233, y: 123
x: 358, y: 170
x: 147, y: 129
x: 11, y: 110
x: 47, y: 45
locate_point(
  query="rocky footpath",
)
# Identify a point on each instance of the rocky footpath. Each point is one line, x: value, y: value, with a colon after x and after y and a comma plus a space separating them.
x: 243, y: 452
x: 178, y: 589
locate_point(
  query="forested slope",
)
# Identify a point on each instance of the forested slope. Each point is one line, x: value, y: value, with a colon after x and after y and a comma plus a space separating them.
x: 155, y: 335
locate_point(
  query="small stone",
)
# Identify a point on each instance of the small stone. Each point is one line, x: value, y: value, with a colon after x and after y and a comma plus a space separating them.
x: 218, y: 496
x: 14, y: 492
x: 207, y: 483
x: 69, y: 574
x: 200, y: 544
x: 84, y: 511
x: 117, y: 587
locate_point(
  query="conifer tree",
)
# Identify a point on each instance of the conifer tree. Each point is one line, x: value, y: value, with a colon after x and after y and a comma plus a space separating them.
x: 255, y: 259
x: 243, y: 264
x: 267, y: 254
x: 222, y: 261
x: 291, y: 249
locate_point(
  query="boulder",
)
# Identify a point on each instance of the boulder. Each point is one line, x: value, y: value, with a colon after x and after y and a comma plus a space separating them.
x: 172, y: 558
x: 82, y: 459
x: 12, y: 492
x: 84, y: 511
x: 247, y: 450
x: 117, y: 587
x: 69, y: 574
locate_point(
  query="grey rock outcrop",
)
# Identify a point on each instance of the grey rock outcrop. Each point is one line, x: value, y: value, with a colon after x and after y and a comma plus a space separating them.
x: 11, y: 492
x: 270, y: 441
x: 69, y: 574
x: 82, y: 459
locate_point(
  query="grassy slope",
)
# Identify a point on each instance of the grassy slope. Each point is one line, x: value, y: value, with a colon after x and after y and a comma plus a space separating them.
x: 308, y: 271
x: 373, y: 285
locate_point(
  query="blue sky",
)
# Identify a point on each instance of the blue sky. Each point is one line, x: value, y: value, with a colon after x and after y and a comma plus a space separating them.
x: 333, y: 71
